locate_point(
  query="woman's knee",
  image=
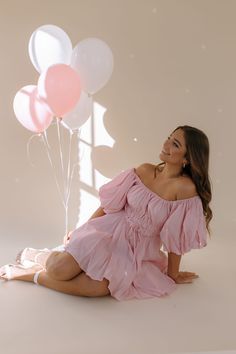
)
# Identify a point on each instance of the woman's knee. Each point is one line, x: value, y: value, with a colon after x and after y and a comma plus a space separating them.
x: 51, y: 261
x: 62, y: 266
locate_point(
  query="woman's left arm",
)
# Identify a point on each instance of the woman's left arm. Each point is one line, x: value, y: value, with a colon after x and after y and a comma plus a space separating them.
x: 185, y: 189
x: 173, y: 265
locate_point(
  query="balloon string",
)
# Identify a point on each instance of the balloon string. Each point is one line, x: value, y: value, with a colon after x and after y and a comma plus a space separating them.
x: 28, y: 147
x: 66, y: 220
x: 61, y: 157
x: 67, y: 192
x: 48, y: 148
x: 71, y: 171
x: 68, y: 168
x: 68, y: 195
x: 68, y: 179
x: 71, y: 178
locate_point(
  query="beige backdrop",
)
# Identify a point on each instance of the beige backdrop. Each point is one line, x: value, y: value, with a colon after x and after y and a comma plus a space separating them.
x: 174, y: 63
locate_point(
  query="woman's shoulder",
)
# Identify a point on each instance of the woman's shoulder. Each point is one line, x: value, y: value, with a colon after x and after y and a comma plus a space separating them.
x: 144, y: 169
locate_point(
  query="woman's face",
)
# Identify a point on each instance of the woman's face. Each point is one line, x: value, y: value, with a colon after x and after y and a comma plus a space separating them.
x: 174, y: 148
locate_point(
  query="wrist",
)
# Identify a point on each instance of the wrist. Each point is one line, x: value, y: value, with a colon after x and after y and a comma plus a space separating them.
x: 173, y: 275
x: 173, y: 265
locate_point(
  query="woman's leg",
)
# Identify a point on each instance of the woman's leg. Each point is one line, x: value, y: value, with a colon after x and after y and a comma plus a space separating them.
x: 40, y: 255
x: 60, y: 265
x: 33, y: 255
x: 80, y: 285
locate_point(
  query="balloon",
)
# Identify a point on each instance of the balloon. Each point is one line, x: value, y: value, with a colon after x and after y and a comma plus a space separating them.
x: 59, y: 87
x: 80, y: 114
x: 49, y: 45
x: 93, y: 60
x: 30, y: 110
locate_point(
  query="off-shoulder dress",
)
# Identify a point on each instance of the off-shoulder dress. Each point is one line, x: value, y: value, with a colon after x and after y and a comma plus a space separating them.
x: 126, y: 245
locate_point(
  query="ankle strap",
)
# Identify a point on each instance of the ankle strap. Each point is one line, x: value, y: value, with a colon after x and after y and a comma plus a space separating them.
x: 36, y: 276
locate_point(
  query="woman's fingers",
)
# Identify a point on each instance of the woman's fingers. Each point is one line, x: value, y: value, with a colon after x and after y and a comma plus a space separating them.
x: 67, y: 237
x: 186, y: 277
x: 183, y: 281
x: 189, y: 274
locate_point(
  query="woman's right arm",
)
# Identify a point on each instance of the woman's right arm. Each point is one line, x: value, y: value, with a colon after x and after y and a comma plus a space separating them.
x: 97, y: 213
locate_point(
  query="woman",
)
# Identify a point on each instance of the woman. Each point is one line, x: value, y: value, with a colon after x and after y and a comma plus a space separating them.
x: 118, y: 250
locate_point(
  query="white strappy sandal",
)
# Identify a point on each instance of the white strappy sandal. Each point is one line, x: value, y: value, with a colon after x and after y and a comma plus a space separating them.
x: 28, y: 263
x: 6, y: 272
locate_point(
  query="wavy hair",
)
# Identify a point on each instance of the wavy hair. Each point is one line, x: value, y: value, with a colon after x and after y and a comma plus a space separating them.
x: 197, y: 145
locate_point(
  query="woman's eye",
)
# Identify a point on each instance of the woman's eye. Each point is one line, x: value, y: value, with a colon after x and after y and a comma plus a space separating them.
x: 173, y: 143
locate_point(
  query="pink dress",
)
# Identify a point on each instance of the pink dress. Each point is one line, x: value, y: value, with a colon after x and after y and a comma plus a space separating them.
x: 124, y: 246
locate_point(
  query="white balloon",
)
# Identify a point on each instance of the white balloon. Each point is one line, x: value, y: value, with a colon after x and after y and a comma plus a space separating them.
x: 80, y: 114
x: 49, y: 45
x: 93, y: 60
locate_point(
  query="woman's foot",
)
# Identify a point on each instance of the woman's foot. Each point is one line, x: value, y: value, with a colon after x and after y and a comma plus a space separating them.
x: 19, y: 272
x: 29, y: 256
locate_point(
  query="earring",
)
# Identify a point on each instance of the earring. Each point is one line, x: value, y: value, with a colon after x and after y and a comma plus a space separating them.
x: 184, y: 165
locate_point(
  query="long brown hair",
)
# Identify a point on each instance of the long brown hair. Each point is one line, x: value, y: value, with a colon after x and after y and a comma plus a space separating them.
x: 197, y: 155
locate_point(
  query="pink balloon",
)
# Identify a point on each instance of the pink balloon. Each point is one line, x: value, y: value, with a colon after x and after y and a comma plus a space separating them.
x: 59, y: 86
x: 30, y: 110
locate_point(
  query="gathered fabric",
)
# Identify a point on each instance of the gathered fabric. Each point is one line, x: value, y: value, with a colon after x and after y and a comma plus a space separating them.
x: 128, y: 245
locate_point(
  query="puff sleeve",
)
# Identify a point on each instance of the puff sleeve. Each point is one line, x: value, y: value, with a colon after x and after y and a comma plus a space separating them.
x: 185, y: 228
x: 113, y: 194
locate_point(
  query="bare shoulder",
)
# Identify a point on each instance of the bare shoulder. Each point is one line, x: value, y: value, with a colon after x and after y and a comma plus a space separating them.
x: 185, y: 188
x: 145, y: 169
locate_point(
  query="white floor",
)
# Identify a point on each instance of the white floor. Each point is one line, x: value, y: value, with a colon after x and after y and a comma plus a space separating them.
x: 197, y: 318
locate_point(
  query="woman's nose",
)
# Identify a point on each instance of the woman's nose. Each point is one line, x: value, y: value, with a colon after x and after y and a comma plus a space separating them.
x: 166, y: 144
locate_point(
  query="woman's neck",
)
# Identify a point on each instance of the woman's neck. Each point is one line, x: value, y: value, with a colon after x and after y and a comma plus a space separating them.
x: 168, y: 173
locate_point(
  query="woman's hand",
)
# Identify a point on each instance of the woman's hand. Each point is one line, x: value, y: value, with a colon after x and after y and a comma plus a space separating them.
x: 185, y: 277
x: 66, y: 238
